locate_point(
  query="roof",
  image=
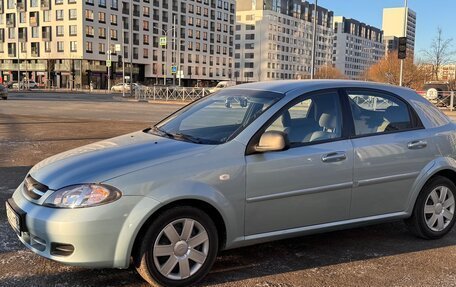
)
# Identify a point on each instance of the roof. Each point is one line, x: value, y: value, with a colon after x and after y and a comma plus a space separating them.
x: 286, y: 86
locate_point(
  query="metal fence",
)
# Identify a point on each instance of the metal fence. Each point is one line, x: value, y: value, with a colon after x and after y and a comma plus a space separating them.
x: 170, y: 94
x: 441, y: 99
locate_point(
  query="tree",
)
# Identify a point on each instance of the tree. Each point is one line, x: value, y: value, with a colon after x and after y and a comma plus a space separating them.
x: 329, y: 72
x: 439, y: 53
x: 387, y: 71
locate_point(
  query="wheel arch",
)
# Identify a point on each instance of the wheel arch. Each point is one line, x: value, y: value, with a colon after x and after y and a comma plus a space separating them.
x: 442, y: 166
x: 208, y: 208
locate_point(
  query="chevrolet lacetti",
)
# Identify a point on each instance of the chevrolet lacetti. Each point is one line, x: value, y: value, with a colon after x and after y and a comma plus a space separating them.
x: 249, y: 164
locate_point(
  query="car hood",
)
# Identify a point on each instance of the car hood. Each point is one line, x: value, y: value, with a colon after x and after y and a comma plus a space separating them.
x: 110, y: 158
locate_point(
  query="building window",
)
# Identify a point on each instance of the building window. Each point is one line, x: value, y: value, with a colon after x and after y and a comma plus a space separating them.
x: 89, y: 47
x: 146, y: 25
x: 59, y: 15
x: 113, y: 34
x: 102, y: 33
x: 73, y: 14
x: 101, y: 48
x: 60, y: 47
x: 146, y: 39
x: 101, y: 17
x: 89, y: 15
x: 73, y: 46
x: 60, y: 31
x: 113, y: 19
x: 72, y: 1
x: 146, y: 53
x: 47, y: 47
x: 34, y: 32
x: 89, y: 31
x: 102, y: 3
x: 73, y: 30
x: 58, y: 2
x: 46, y: 16
x: 114, y: 4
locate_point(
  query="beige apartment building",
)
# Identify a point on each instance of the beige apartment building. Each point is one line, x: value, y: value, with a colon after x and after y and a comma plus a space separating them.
x: 395, y: 24
x: 67, y: 43
x: 274, y: 39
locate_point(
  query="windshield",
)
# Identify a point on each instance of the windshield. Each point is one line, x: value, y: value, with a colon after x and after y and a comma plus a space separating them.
x: 217, y: 118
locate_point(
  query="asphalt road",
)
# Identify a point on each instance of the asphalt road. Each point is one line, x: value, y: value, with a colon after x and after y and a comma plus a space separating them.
x: 33, y: 128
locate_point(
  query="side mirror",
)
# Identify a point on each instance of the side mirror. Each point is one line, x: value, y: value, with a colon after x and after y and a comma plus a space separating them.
x: 272, y: 141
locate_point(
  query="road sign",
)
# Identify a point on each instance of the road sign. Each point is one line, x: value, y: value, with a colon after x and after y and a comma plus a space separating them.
x: 108, y: 63
x: 163, y: 41
x: 173, y: 69
x: 118, y: 48
x: 180, y: 74
x: 127, y: 78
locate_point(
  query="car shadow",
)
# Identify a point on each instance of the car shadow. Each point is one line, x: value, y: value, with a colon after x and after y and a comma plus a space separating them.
x: 291, y: 255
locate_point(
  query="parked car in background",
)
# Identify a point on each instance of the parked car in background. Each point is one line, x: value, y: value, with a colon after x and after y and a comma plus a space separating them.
x: 25, y: 85
x: 283, y: 159
x: 3, y: 92
x: 438, y: 93
x: 222, y: 85
x: 126, y: 87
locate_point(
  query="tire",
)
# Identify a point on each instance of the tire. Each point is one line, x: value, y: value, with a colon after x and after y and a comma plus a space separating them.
x: 153, y: 269
x: 439, y: 217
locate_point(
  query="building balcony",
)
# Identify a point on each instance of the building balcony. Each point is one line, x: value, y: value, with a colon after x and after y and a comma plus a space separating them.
x: 23, y: 66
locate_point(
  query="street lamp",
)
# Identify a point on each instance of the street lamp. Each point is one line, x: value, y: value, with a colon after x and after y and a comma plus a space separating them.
x: 314, y: 40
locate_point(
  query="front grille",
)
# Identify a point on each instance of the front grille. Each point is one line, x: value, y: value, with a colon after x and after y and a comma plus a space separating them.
x: 33, y: 188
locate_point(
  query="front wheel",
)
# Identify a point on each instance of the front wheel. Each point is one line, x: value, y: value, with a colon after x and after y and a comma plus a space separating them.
x: 179, y: 248
x: 433, y: 214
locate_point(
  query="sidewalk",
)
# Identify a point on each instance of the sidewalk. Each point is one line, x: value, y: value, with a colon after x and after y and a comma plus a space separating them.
x: 61, y: 91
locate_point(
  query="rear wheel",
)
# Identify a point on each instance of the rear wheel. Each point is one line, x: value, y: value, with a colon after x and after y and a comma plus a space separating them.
x: 433, y: 215
x: 179, y: 248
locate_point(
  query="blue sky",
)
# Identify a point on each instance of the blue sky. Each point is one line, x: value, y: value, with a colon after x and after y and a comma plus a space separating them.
x: 428, y: 19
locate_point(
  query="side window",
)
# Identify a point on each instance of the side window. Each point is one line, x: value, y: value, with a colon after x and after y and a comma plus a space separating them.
x: 374, y: 112
x: 315, y: 118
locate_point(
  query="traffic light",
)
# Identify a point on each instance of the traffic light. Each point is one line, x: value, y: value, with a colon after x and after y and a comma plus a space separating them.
x: 119, y: 61
x: 402, y: 48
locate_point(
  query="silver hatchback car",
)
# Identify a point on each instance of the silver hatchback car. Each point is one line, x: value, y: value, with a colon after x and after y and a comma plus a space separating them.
x: 249, y: 164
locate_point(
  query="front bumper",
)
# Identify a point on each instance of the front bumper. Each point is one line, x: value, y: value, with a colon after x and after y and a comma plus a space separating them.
x: 101, y: 236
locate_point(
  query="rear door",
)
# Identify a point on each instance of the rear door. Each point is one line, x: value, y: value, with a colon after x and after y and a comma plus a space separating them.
x: 391, y: 147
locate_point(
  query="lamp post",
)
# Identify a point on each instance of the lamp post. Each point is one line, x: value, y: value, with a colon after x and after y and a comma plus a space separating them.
x: 18, y: 49
x: 401, y: 73
x: 314, y: 41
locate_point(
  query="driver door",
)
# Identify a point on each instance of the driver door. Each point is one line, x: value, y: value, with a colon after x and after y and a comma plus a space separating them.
x: 311, y: 182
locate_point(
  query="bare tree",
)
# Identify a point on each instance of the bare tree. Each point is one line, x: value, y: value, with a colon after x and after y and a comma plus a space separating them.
x: 439, y: 53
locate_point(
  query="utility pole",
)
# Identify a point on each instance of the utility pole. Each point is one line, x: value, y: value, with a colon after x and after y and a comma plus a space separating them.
x: 314, y: 41
x: 18, y: 48
x: 109, y: 59
x: 130, y: 41
x: 401, y: 73
x: 123, y: 64
x: 174, y: 48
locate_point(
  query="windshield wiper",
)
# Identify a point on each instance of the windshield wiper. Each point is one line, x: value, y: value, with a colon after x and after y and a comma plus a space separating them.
x: 187, y: 138
x: 162, y: 132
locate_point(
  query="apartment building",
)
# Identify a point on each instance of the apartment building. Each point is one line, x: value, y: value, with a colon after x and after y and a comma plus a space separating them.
x: 274, y: 39
x: 399, y: 22
x: 70, y: 43
x: 357, y: 46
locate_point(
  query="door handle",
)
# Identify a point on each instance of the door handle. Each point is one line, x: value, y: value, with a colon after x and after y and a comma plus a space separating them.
x: 334, y: 157
x: 417, y: 144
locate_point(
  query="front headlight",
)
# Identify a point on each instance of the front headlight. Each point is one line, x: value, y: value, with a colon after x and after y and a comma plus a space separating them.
x: 83, y: 195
